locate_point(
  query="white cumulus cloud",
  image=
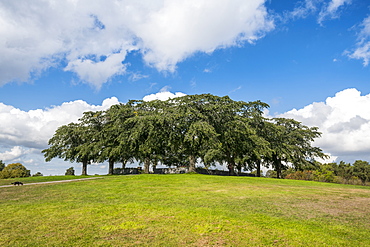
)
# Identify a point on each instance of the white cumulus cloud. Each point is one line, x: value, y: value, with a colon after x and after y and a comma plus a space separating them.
x: 33, y: 129
x: 14, y: 153
x: 163, y: 94
x: 344, y: 121
x: 92, y: 38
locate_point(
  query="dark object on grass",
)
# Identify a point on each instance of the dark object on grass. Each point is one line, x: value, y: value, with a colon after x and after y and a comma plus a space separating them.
x: 17, y: 183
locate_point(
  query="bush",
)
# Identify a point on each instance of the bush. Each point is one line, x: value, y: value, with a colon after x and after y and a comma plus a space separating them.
x: 324, y: 176
x: 15, y: 170
x: 271, y: 174
x: 361, y: 169
x: 37, y: 174
x: 300, y: 175
x: 70, y: 171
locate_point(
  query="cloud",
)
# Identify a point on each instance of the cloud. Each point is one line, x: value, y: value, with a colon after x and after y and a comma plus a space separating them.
x: 344, y: 121
x: 14, y: 153
x: 235, y: 89
x: 97, y: 72
x: 33, y: 129
x: 324, y: 10
x: 302, y: 10
x: 93, y: 40
x: 163, y: 94
x: 362, y: 50
x: 330, y: 11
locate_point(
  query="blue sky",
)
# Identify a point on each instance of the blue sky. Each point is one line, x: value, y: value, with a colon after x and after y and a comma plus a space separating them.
x: 307, y: 59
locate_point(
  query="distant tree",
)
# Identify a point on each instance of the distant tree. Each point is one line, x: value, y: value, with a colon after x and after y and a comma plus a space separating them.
x: 15, y: 170
x: 70, y: 171
x: 361, y: 169
x: 2, y: 165
x: 325, y: 173
x: 344, y: 170
x: 38, y: 174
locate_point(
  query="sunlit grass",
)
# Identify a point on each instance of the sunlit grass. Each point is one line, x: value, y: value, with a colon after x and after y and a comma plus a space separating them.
x: 185, y: 210
x: 40, y: 179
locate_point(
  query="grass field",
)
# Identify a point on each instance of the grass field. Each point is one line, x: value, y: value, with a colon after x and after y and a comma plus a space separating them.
x: 41, y: 179
x: 184, y: 210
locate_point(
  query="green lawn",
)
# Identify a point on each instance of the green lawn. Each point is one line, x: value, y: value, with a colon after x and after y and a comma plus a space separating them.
x: 185, y: 210
x: 40, y: 179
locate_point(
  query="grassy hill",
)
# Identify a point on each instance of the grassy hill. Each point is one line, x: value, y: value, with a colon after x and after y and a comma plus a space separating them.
x: 185, y: 210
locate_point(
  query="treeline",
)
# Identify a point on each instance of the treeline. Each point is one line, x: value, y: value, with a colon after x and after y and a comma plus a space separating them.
x: 343, y: 173
x: 186, y: 130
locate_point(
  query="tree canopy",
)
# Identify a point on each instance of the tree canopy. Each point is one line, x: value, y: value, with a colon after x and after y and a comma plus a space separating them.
x: 14, y: 170
x: 183, y: 131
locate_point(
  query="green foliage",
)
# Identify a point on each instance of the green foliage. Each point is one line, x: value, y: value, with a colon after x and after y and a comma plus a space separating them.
x: 291, y: 142
x: 15, y: 170
x: 37, y: 174
x: 72, y: 142
x: 271, y: 174
x: 186, y: 130
x: 2, y: 165
x: 324, y: 174
x: 70, y: 171
x: 344, y: 173
x: 301, y: 175
x: 361, y: 169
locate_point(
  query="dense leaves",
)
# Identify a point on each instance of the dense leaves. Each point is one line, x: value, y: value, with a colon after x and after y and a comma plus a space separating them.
x: 184, y: 131
x: 345, y: 173
x: 15, y: 170
x: 2, y: 165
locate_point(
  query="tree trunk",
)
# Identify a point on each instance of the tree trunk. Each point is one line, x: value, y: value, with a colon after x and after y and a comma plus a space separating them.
x: 258, y: 163
x: 231, y: 166
x: 124, y: 164
x: 84, y: 167
x: 278, y: 168
x: 146, y: 165
x: 239, y: 167
x: 111, y: 166
x: 192, y: 161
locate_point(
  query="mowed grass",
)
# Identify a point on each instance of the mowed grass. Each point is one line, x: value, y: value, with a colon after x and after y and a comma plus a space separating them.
x: 185, y: 210
x: 41, y: 179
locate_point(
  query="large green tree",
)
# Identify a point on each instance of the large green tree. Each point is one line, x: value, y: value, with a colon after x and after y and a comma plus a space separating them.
x: 72, y: 143
x: 194, y: 132
x: 291, y: 143
x: 202, y: 127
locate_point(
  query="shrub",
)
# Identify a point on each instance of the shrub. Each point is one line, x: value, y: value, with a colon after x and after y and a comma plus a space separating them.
x: 70, y: 171
x: 324, y: 176
x: 37, y: 174
x: 15, y: 170
x: 300, y: 175
x: 271, y: 174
